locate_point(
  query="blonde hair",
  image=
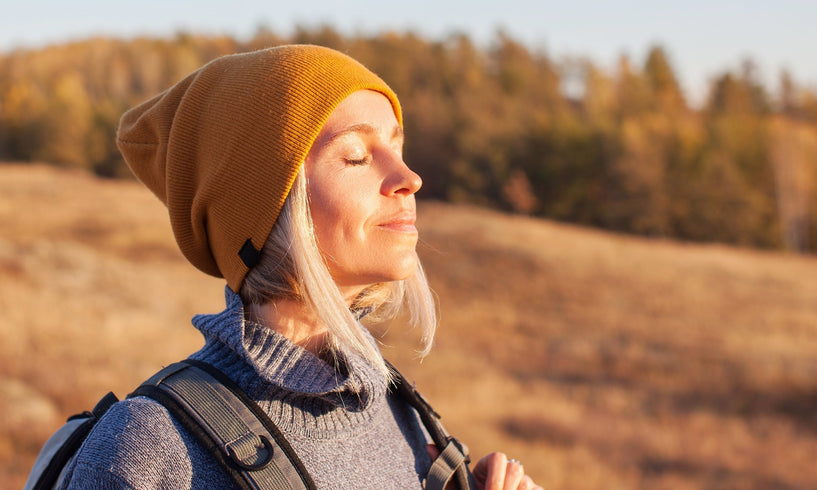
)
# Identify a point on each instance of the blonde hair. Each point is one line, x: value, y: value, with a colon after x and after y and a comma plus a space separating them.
x: 292, y: 267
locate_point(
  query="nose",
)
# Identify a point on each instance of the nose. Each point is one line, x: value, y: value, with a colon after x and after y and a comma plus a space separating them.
x: 400, y: 179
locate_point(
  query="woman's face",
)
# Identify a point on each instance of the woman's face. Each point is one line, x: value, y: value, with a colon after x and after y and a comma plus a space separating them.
x: 362, y: 194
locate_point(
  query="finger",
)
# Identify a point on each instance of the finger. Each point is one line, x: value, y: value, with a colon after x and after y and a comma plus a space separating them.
x: 528, y: 484
x: 514, y: 473
x: 432, y: 451
x: 490, y: 471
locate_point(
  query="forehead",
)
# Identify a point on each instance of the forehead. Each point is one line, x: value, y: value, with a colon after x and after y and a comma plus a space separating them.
x: 364, y: 108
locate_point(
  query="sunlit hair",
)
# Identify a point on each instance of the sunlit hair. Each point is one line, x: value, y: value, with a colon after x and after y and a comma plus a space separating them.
x: 292, y: 267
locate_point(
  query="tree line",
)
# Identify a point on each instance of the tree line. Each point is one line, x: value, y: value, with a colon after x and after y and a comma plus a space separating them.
x: 501, y: 125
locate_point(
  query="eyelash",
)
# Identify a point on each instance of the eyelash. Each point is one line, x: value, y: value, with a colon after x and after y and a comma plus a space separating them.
x: 360, y: 161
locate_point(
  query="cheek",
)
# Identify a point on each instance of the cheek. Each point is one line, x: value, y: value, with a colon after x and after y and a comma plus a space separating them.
x: 336, y: 214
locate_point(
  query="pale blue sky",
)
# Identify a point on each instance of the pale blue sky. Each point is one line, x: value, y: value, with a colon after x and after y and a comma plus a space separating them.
x: 703, y: 38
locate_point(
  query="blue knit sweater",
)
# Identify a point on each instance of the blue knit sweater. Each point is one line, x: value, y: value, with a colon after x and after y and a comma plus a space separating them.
x: 347, y: 430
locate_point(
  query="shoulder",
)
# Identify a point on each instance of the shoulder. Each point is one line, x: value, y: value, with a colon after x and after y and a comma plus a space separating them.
x: 136, y: 444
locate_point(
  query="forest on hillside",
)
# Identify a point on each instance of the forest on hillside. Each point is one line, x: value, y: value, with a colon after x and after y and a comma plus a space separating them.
x: 622, y: 149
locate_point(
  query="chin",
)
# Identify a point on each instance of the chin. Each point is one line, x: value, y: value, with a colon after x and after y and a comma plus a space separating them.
x: 407, y: 267
x: 392, y: 276
x: 404, y: 270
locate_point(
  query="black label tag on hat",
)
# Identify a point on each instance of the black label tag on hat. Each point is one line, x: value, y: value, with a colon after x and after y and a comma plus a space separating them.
x: 249, y: 255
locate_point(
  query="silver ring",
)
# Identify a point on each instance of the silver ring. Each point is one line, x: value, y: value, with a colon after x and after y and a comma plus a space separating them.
x: 515, y: 461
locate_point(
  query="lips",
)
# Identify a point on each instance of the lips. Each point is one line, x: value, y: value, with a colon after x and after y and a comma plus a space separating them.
x: 402, y: 222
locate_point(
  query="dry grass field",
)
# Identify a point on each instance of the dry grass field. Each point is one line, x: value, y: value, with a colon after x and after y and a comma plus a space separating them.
x: 601, y: 361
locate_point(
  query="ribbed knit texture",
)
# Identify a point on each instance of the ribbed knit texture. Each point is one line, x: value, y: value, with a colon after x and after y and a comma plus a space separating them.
x: 222, y: 147
x: 346, y: 429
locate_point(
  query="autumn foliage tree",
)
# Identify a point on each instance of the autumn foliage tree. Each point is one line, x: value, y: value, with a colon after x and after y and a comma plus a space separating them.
x: 493, y: 125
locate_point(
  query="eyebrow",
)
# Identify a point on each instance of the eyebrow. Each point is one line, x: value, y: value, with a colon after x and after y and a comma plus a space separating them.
x: 364, y: 128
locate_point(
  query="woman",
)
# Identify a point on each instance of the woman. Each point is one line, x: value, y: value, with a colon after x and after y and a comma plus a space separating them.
x: 282, y: 172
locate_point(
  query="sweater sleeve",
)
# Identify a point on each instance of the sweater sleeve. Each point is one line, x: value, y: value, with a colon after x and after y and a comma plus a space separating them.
x: 137, y: 444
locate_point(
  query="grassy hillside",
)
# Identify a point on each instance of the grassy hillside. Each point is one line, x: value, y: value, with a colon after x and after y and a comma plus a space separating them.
x: 600, y: 361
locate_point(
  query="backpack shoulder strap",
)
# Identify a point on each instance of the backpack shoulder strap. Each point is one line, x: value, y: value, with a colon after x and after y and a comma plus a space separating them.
x: 53, y: 459
x: 229, y: 425
x: 452, y: 463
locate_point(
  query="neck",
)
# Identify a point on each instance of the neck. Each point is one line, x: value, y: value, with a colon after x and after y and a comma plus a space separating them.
x: 350, y: 293
x: 295, y: 321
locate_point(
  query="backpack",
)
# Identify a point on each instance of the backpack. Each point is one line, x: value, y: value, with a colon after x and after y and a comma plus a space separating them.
x: 239, y: 435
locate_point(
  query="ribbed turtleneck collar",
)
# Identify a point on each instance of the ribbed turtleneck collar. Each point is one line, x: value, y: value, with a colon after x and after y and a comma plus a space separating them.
x: 279, y: 362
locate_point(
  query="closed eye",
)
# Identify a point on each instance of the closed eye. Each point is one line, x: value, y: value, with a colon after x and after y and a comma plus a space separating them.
x: 360, y: 161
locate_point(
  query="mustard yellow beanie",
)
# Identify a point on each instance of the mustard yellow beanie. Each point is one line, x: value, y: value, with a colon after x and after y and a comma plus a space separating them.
x: 222, y: 147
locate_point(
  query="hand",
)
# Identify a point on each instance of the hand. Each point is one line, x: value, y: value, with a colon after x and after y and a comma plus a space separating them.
x: 496, y: 472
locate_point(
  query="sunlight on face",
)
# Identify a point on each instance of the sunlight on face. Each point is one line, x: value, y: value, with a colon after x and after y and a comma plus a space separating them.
x: 362, y: 194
